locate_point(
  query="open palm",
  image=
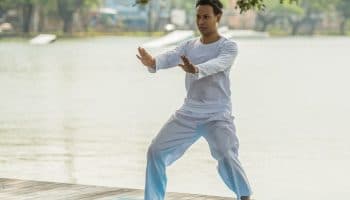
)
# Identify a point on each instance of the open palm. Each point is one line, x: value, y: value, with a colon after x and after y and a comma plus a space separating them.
x: 146, y: 58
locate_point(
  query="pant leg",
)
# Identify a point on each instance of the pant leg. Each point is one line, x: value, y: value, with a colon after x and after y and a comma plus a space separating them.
x: 170, y: 144
x: 223, y: 142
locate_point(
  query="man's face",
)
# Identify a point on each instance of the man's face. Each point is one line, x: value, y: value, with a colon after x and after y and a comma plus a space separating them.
x: 206, y: 19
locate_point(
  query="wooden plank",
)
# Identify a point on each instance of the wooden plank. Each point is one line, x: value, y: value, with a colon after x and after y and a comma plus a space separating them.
x: 15, y: 189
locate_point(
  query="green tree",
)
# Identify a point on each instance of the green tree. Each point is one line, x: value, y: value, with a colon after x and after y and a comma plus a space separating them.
x: 5, y: 5
x: 313, y: 11
x: 43, y: 9
x: 343, y: 7
x: 274, y: 11
x: 66, y: 9
x: 27, y: 8
x: 243, y: 5
x: 24, y: 7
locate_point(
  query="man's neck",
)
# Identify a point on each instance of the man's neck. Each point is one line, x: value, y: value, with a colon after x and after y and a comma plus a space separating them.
x: 206, y: 39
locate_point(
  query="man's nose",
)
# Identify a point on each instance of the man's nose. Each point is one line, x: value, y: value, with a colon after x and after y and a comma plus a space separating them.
x: 200, y: 21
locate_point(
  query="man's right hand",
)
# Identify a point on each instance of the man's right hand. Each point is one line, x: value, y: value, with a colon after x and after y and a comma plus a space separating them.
x: 146, y: 58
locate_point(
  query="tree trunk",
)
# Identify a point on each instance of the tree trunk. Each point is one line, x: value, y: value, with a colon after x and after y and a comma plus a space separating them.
x: 266, y: 21
x: 36, y: 18
x: 295, y: 25
x: 313, y: 27
x: 264, y: 26
x: 27, y: 11
x: 295, y: 28
x: 150, y: 18
x: 343, y: 27
x: 68, y: 23
x: 84, y: 19
x: 42, y: 18
x: 66, y: 9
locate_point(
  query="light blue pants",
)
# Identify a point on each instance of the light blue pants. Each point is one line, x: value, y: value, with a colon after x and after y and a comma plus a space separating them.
x: 178, y: 134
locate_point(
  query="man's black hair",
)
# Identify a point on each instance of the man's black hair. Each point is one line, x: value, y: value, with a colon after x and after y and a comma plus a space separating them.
x: 216, y: 4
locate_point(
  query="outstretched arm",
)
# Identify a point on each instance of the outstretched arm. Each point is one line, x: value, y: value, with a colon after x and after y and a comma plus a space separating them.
x: 164, y: 60
x: 146, y: 58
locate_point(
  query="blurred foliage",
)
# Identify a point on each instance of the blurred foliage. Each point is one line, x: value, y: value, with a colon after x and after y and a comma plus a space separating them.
x: 292, y: 16
x: 63, y: 8
x: 275, y: 10
x: 243, y: 5
x: 343, y: 7
x: 303, y: 14
x: 66, y: 9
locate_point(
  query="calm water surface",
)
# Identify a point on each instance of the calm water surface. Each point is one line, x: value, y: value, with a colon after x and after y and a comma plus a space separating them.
x: 84, y: 111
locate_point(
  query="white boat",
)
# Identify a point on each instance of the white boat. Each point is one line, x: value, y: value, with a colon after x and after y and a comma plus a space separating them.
x: 5, y: 27
x: 169, y: 39
x: 43, y: 39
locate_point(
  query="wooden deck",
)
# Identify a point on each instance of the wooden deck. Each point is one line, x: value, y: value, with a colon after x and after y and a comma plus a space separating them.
x: 14, y: 189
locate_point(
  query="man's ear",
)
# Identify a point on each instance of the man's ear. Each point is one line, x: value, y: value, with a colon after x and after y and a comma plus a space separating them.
x: 218, y: 18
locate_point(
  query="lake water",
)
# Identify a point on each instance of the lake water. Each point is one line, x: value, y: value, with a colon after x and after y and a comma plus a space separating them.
x: 84, y: 111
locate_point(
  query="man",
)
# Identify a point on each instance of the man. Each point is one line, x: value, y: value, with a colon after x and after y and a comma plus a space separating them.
x: 207, y: 108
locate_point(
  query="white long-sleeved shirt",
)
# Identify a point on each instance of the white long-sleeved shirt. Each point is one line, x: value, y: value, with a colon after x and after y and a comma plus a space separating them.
x: 208, y: 91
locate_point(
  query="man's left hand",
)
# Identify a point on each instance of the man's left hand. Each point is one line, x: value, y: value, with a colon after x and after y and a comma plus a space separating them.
x: 187, y: 66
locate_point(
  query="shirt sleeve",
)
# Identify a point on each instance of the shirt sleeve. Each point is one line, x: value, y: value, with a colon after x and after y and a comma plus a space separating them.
x: 227, y: 54
x: 170, y: 58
